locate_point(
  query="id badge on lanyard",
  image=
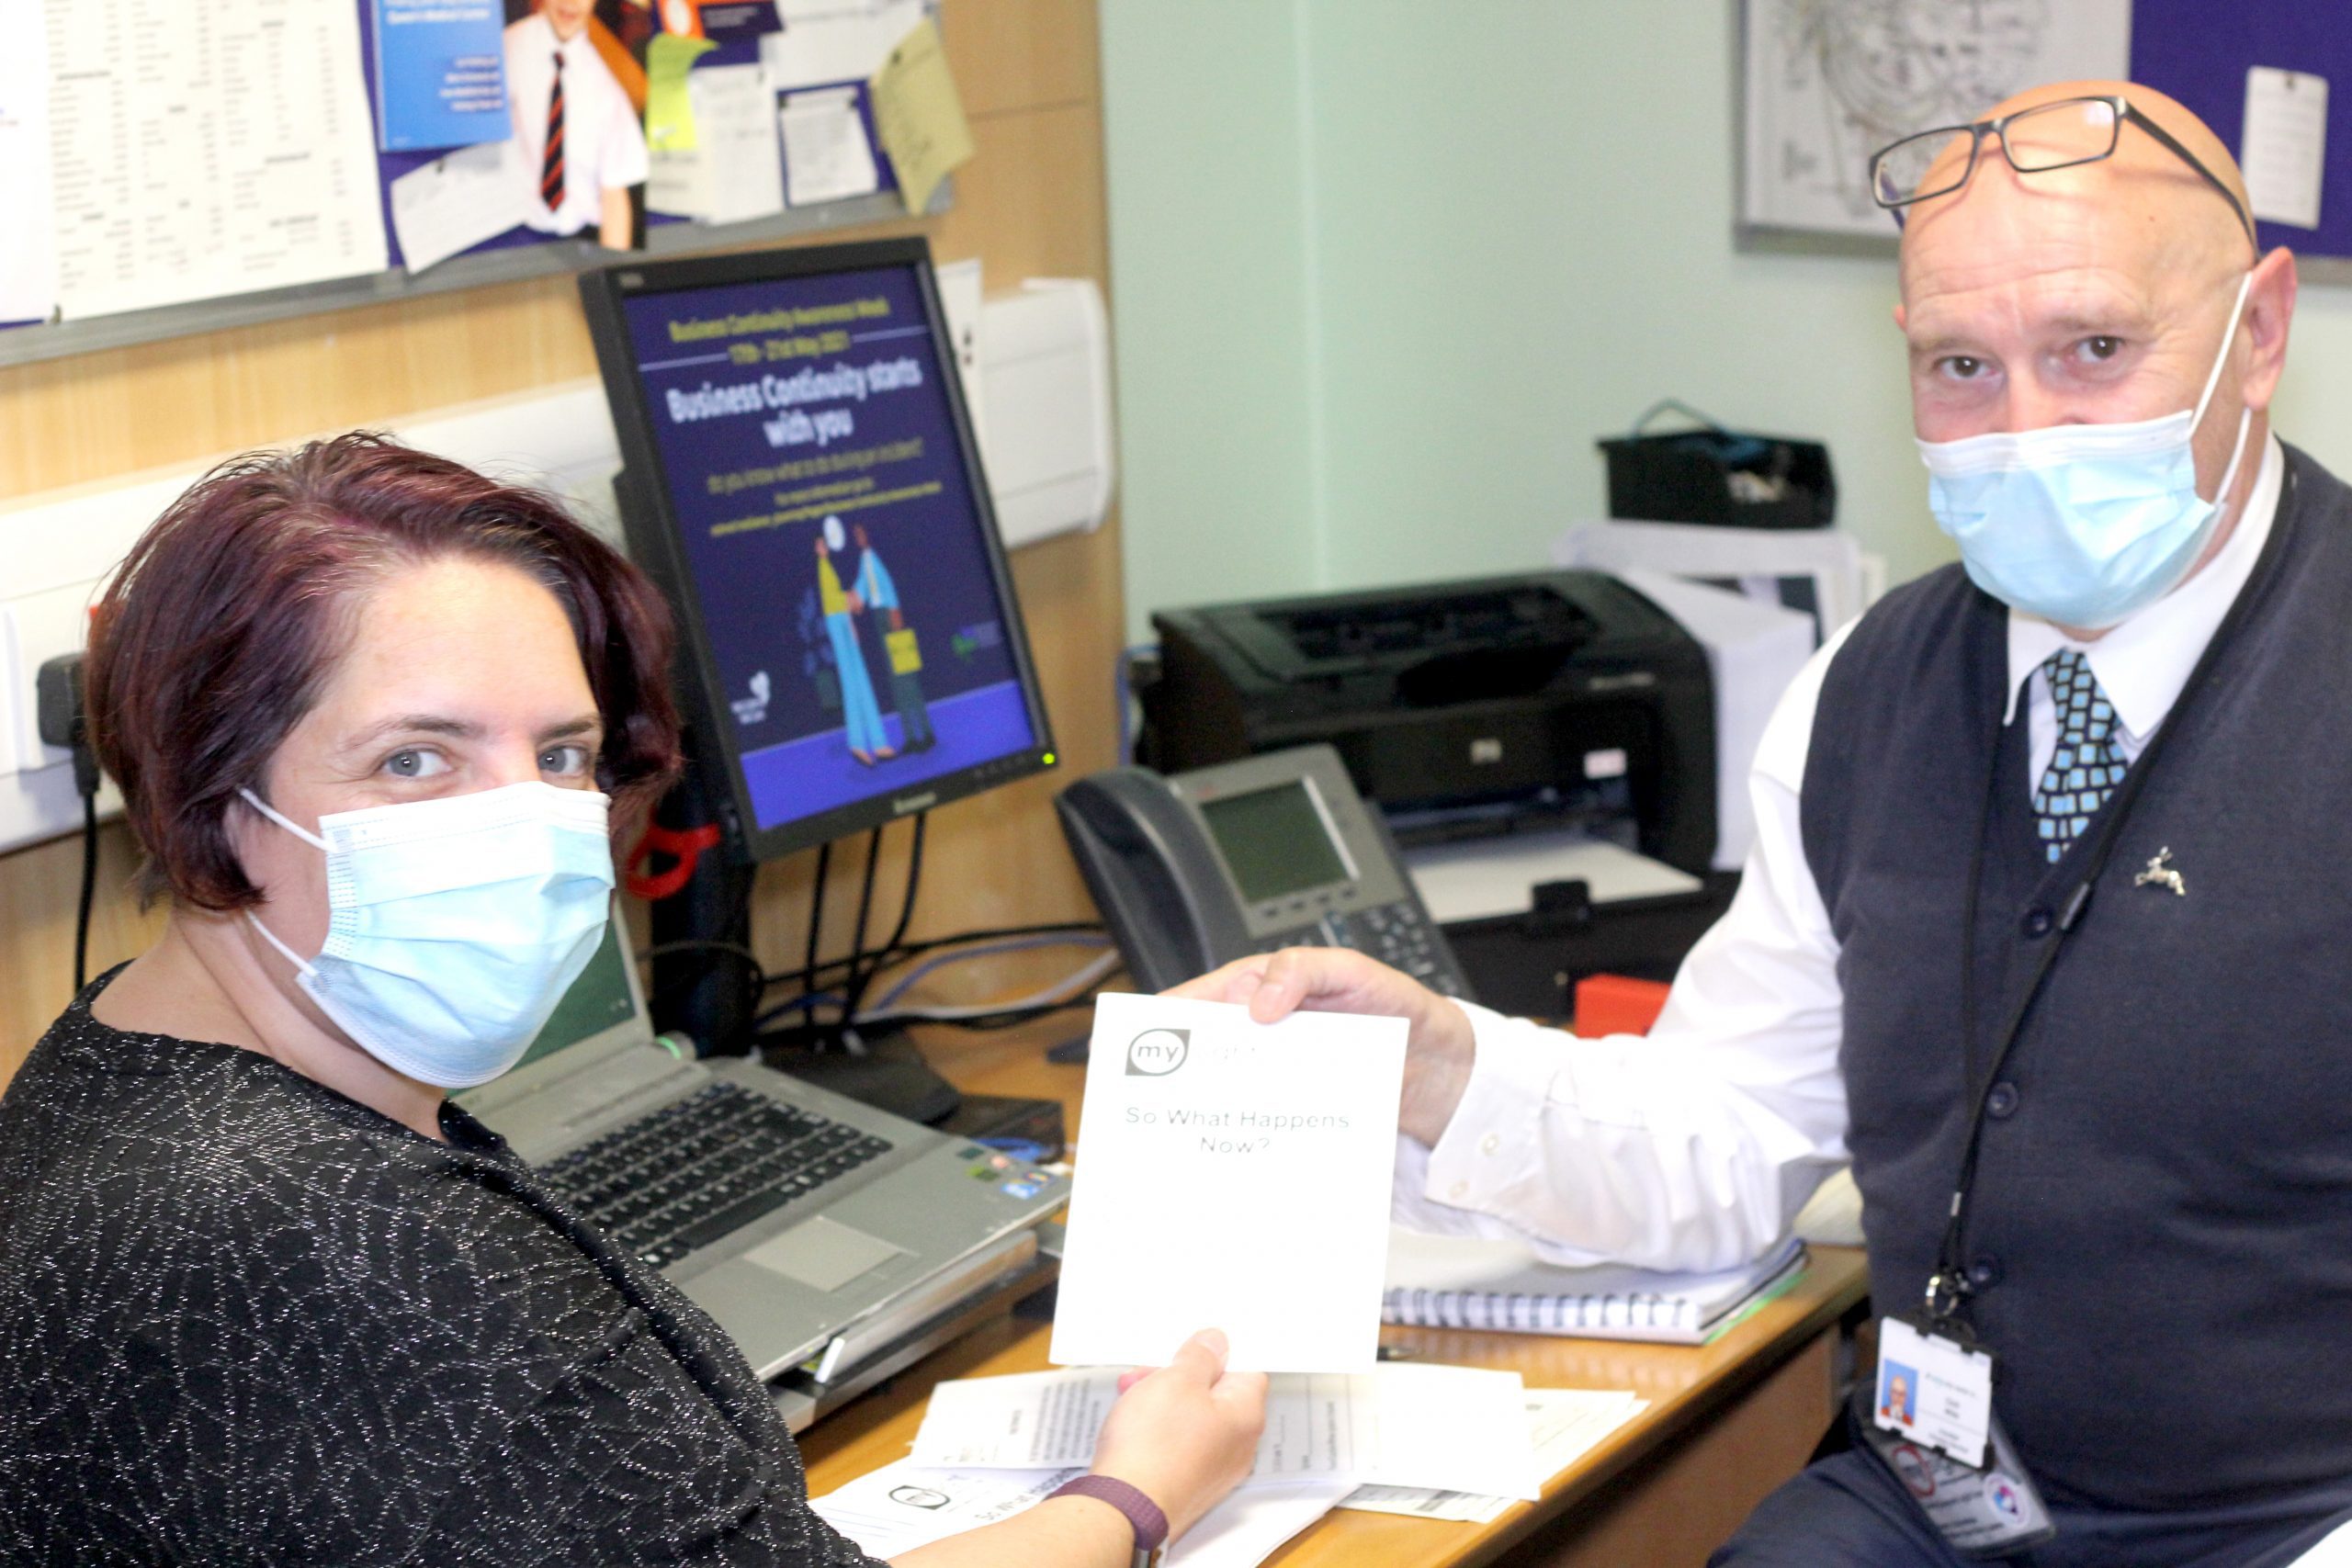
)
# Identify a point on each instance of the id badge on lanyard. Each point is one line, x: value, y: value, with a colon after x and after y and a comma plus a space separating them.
x: 1988, y: 1510
x: 1931, y: 1423
x: 1934, y: 1389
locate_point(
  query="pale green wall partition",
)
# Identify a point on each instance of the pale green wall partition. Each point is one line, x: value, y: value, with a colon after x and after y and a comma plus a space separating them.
x: 1385, y: 269
x: 1209, y: 299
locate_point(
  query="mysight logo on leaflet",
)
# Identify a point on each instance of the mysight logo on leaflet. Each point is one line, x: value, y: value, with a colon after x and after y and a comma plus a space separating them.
x: 1155, y: 1052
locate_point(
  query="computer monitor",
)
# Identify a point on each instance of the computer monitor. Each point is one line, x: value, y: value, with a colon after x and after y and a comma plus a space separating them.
x: 800, y: 475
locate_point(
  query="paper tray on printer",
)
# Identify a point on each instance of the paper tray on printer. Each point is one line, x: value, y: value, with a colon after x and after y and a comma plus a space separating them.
x: 1480, y: 879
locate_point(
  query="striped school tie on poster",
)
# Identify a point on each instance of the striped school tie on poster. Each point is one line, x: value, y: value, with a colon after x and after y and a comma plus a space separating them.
x: 2085, y: 767
x: 551, y: 166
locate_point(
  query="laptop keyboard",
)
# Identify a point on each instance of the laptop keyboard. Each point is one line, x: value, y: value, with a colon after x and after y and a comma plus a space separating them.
x: 687, y: 1174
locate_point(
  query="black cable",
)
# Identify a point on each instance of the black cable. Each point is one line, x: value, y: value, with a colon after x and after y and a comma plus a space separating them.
x: 855, y: 983
x: 62, y: 720
x: 859, y: 982
x: 698, y: 944
x: 816, y: 910
x: 1000, y: 933
x: 914, y: 884
x: 1013, y: 1017
x: 1010, y: 1018
x: 755, y: 972
x: 905, y: 950
x: 89, y: 889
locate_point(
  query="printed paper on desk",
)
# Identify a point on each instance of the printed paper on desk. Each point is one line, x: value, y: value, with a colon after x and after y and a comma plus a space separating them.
x: 904, y: 1506
x: 1233, y: 1175
x: 1457, y: 1428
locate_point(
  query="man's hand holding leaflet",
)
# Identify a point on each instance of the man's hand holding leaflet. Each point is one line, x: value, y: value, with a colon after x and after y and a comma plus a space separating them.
x: 1236, y: 1174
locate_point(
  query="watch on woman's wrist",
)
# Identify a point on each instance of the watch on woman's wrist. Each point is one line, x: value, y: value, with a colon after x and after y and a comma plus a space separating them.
x: 1143, y: 1515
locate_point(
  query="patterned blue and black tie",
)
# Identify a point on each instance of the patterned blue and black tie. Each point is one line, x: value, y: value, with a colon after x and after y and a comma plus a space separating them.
x: 2087, y: 766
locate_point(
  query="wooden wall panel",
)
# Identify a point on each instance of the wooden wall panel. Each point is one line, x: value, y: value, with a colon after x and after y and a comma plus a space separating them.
x: 1030, y: 204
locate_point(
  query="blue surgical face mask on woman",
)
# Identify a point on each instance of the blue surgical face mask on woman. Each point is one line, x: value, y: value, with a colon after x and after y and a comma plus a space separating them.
x: 2083, y: 524
x: 454, y: 925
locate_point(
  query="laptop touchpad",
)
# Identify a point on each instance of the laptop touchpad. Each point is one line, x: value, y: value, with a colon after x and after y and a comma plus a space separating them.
x: 823, y: 1253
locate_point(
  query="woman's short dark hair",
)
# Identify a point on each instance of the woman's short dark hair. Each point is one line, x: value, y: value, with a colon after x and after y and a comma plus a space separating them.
x: 217, y: 634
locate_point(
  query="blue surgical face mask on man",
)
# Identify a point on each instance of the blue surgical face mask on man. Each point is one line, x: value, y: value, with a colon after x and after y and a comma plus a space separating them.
x: 454, y: 925
x: 2083, y: 524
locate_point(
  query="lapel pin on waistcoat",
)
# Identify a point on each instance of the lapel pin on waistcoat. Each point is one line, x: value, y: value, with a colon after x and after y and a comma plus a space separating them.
x: 2160, y: 873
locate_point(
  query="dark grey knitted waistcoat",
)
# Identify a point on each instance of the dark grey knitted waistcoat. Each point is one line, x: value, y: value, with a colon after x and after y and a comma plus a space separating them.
x: 2162, y: 1220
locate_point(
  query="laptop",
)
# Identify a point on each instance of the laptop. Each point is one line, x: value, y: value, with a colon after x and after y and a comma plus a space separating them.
x: 817, y: 1230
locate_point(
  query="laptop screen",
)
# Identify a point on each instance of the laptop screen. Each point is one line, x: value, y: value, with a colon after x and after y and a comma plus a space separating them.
x: 598, y: 1002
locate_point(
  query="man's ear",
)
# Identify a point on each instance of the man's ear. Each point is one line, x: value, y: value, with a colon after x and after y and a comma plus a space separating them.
x: 2269, y: 310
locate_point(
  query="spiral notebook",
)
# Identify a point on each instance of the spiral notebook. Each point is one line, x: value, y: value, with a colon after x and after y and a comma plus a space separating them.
x: 1441, y: 1281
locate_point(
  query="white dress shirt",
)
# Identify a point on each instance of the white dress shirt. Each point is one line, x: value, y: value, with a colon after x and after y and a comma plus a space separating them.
x: 604, y: 146
x: 1694, y: 1146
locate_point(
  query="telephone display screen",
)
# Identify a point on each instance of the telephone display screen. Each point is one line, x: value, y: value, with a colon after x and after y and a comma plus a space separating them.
x: 1274, y: 841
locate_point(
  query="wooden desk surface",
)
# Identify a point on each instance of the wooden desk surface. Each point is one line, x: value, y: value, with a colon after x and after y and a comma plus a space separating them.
x: 1683, y: 1384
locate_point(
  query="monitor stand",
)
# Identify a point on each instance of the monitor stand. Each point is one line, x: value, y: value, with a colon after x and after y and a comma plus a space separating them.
x: 880, y: 1067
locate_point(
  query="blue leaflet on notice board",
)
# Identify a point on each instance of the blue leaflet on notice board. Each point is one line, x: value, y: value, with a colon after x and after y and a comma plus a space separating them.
x: 440, y: 73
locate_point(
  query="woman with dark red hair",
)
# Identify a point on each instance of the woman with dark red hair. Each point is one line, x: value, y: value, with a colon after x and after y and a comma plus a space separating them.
x: 266, y: 1295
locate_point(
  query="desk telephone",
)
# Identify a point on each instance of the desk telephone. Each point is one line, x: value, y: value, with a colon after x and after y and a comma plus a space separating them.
x: 1193, y: 870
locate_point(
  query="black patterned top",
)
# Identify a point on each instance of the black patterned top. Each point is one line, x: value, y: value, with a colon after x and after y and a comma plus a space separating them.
x: 247, y: 1320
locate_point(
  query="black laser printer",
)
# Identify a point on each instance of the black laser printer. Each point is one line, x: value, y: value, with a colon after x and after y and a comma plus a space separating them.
x: 1495, y: 705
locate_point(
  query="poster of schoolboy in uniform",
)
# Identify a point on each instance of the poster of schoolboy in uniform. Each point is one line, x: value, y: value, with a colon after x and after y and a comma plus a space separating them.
x: 575, y: 86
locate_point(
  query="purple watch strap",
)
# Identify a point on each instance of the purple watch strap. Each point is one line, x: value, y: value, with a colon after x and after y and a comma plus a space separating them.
x: 1151, y: 1524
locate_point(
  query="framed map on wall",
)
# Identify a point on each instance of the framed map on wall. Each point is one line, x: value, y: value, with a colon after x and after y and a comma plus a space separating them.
x: 1826, y: 83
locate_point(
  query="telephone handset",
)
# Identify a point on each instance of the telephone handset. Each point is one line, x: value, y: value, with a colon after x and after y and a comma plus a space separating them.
x: 1193, y: 870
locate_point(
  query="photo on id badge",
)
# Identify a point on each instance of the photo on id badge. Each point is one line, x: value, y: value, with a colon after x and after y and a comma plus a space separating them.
x: 1898, y: 1393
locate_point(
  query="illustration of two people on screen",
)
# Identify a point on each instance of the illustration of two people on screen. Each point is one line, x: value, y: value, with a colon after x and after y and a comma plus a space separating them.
x: 872, y: 596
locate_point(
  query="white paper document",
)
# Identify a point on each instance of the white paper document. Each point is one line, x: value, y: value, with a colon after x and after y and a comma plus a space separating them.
x: 28, y: 252
x: 201, y: 150
x: 456, y: 202
x: 904, y: 1506
x: 1235, y: 1176
x: 736, y: 135
x: 826, y: 155
x: 1566, y: 1424
x: 1460, y: 1428
x: 828, y: 42
x: 2284, y: 151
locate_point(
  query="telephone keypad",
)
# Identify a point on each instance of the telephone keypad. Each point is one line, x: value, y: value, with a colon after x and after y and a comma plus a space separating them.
x: 1396, y: 934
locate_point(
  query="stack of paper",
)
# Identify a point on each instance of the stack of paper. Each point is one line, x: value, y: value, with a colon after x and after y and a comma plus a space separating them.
x: 1456, y: 1428
x: 1425, y: 1421
x: 904, y: 1506
x: 1566, y: 1423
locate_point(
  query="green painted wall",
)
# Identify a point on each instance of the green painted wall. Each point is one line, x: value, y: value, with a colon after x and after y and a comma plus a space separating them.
x: 1384, y: 269
x: 1209, y: 297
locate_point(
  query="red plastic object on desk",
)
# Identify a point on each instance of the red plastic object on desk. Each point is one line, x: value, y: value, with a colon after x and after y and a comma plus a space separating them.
x: 1617, y: 1004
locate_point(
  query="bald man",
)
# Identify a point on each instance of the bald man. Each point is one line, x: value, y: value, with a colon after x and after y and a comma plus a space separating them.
x: 2115, y: 732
